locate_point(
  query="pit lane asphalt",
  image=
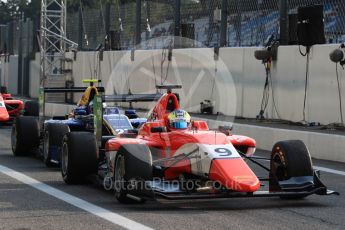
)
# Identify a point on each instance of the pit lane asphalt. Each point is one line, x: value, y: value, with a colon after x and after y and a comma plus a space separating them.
x: 23, y: 207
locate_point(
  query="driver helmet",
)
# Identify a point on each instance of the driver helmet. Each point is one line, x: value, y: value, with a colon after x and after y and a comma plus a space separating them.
x: 179, y: 119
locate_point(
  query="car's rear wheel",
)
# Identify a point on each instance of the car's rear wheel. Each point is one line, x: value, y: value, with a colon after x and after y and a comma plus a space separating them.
x: 53, y: 137
x: 79, y: 156
x: 290, y: 159
x: 133, y: 166
x: 25, y: 136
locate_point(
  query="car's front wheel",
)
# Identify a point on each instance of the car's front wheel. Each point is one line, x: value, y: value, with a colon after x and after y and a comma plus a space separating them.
x: 290, y: 159
x: 133, y: 166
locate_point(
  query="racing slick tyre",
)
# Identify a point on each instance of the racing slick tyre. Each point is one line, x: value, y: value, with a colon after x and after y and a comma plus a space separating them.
x: 78, y: 156
x: 290, y: 159
x: 31, y: 108
x: 3, y: 89
x: 133, y: 163
x: 25, y: 136
x: 53, y: 136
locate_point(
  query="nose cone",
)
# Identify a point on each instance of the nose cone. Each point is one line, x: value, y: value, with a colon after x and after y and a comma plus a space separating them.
x: 234, y: 174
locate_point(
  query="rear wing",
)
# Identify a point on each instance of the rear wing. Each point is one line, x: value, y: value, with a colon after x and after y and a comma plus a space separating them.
x: 132, y: 97
x: 70, y: 90
x: 45, y: 90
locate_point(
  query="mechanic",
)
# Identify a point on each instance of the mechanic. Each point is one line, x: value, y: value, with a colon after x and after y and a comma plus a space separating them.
x: 178, y: 119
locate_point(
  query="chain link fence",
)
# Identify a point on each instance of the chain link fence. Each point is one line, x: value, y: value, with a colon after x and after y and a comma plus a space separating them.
x: 334, y: 17
x: 113, y: 23
x: 251, y: 22
x: 248, y: 22
x: 18, y: 37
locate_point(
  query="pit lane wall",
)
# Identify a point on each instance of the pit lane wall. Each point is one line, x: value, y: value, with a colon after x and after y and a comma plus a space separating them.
x: 245, y: 81
x: 321, y: 145
x: 246, y: 78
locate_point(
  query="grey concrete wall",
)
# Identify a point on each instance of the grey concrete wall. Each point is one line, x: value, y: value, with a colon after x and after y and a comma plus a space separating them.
x: 242, y: 88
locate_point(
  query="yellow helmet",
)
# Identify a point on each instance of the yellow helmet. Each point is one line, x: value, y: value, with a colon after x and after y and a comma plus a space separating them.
x: 179, y: 119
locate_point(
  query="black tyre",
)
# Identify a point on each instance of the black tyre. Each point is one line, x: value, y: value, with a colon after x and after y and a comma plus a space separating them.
x: 78, y: 156
x: 31, y: 108
x: 132, y: 162
x: 290, y: 159
x: 25, y: 136
x: 3, y: 89
x: 53, y: 137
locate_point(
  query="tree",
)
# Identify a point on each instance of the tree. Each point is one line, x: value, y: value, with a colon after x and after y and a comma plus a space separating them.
x: 16, y: 7
x: 12, y: 9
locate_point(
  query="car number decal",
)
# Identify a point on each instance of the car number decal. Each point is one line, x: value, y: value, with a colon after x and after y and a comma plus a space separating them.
x: 221, y: 151
x: 201, y: 155
x: 120, y: 131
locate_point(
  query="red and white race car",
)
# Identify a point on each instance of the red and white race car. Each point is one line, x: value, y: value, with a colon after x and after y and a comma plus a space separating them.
x: 9, y: 107
x: 189, y: 163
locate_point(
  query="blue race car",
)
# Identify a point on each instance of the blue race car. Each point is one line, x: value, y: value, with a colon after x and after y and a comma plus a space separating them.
x: 81, y: 119
x: 30, y: 135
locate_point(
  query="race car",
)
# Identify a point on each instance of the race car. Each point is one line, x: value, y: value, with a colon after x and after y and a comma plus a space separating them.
x: 9, y: 107
x: 42, y: 136
x: 81, y: 120
x: 28, y: 135
x: 175, y: 157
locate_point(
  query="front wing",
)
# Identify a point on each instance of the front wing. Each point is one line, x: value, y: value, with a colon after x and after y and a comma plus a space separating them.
x: 164, y: 190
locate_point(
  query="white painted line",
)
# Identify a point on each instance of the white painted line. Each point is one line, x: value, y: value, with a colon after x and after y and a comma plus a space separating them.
x: 329, y: 170
x: 75, y: 201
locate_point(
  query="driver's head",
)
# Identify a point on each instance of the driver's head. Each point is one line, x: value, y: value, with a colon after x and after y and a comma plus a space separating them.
x: 179, y: 119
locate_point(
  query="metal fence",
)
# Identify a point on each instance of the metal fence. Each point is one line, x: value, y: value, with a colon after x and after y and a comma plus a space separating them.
x: 121, y: 24
x: 19, y: 37
x: 248, y: 22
